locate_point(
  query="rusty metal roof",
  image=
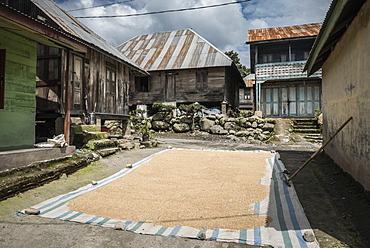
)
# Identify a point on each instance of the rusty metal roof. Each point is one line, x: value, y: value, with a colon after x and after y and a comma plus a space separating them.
x: 278, y: 33
x: 73, y: 27
x: 179, y: 49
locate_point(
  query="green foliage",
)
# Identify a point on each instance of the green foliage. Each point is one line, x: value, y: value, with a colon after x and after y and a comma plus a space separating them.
x: 157, y: 106
x: 318, y: 112
x: 246, y: 114
x: 191, y: 109
x: 235, y: 57
x: 144, y: 128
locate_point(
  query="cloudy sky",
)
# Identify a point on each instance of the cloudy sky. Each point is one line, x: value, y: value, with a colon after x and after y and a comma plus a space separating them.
x: 225, y: 27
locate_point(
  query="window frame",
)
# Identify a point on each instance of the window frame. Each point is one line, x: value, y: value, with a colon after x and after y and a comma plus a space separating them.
x: 201, y: 79
x: 111, y: 84
x: 142, y: 85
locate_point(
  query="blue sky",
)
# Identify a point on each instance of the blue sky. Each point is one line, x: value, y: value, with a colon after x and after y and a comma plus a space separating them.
x: 225, y: 27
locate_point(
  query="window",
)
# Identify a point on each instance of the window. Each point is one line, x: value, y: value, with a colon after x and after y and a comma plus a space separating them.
x: 2, y: 78
x: 111, y: 80
x: 266, y: 58
x: 142, y: 84
x: 244, y: 94
x: 305, y: 54
x: 202, y: 79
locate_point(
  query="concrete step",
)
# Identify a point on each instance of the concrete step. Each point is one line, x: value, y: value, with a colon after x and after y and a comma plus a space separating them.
x: 305, y: 126
x: 305, y: 122
x: 313, y: 137
x: 310, y: 130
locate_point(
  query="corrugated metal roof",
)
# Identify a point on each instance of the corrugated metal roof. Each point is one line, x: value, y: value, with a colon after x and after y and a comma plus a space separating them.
x: 278, y: 33
x: 179, y: 49
x: 72, y: 26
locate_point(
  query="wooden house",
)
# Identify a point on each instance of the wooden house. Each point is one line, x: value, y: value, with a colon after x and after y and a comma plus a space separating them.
x: 278, y: 56
x: 72, y: 71
x: 184, y: 68
x: 342, y: 51
x: 246, y: 94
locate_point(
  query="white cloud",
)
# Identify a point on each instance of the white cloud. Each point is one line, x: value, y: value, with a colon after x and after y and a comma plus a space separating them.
x: 225, y: 27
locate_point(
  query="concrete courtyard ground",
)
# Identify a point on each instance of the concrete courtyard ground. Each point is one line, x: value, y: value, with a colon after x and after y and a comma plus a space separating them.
x: 337, y: 208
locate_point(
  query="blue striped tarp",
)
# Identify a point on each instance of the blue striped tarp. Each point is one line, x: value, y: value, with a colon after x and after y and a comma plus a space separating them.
x: 282, y: 205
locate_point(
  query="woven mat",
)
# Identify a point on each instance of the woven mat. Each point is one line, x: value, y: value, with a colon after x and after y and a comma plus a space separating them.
x: 233, y: 196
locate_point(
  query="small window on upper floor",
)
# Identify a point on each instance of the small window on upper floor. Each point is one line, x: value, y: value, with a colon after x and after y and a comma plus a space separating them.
x: 142, y: 84
x: 266, y: 58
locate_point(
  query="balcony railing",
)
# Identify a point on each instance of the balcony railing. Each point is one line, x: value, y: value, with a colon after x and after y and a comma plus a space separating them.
x: 282, y: 70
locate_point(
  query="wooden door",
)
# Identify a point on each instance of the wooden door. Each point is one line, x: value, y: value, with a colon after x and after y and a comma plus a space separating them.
x: 170, y: 87
x: 270, y: 102
x: 77, y: 82
x: 111, y: 90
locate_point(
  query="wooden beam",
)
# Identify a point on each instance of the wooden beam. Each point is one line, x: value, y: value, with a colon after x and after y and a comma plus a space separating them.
x: 30, y: 26
x: 67, y: 99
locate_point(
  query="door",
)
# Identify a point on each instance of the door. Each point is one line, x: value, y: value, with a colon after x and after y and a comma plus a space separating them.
x: 291, y: 101
x: 170, y: 87
x: 270, y: 102
x: 111, y: 90
x: 77, y: 83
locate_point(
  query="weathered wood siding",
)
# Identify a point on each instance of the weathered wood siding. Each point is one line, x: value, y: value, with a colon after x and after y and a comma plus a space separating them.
x: 186, y: 89
x: 232, y: 88
x: 17, y: 119
x: 109, y: 98
x: 95, y: 79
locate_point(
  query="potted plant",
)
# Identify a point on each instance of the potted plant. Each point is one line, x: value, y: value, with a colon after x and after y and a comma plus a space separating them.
x: 144, y: 129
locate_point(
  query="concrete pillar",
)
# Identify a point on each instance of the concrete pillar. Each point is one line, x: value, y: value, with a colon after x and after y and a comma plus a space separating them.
x: 224, y: 107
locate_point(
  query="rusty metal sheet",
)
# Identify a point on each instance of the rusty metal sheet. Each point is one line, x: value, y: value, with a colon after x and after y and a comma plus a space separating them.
x: 178, y: 49
x: 265, y: 34
x: 72, y: 26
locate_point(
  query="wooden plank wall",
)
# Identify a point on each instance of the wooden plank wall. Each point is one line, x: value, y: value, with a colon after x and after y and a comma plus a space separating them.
x: 96, y: 84
x: 186, y: 90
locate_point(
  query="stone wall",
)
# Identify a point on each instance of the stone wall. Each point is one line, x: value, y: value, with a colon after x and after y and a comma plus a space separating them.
x: 252, y: 128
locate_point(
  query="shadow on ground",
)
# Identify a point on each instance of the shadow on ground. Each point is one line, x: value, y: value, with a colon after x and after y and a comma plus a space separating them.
x: 336, y: 206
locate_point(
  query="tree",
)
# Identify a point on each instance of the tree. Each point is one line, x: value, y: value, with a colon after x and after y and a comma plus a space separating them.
x: 235, y: 57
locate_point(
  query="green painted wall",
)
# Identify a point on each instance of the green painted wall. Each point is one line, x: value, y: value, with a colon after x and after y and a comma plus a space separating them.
x: 17, y: 119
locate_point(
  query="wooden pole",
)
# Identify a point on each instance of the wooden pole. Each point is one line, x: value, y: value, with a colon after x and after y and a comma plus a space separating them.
x: 67, y: 99
x: 319, y: 150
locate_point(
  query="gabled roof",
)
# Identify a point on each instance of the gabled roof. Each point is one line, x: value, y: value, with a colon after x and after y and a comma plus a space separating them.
x: 67, y: 25
x: 173, y: 50
x: 265, y: 34
x: 249, y: 80
x: 340, y: 15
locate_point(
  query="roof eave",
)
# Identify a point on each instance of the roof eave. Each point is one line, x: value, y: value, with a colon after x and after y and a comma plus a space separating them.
x: 328, y: 25
x: 282, y: 39
x: 332, y: 30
